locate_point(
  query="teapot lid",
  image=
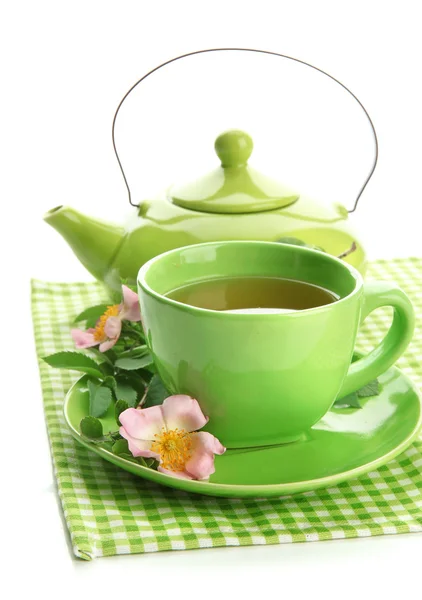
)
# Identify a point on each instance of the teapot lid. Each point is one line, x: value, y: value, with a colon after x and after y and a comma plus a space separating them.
x: 234, y: 187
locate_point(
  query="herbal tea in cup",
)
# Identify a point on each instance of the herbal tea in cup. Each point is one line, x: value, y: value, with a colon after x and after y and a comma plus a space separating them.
x: 248, y: 294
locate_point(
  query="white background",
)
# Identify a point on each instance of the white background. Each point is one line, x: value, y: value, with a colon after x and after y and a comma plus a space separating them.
x: 65, y: 66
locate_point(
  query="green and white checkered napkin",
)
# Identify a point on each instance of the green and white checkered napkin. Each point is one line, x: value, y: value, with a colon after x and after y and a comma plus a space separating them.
x: 109, y: 511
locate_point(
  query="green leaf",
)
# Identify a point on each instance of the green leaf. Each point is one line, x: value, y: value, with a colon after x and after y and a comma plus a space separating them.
x: 128, y: 389
x: 146, y: 375
x: 349, y: 401
x: 91, y: 315
x: 120, y: 447
x: 91, y: 427
x: 111, y: 383
x: 131, y: 364
x: 134, y: 352
x: 156, y: 393
x: 119, y: 407
x: 107, y: 370
x: 99, y: 399
x: 139, y: 460
x: 107, y: 440
x: 106, y: 444
x: 372, y: 388
x: 75, y: 361
x: 106, y: 356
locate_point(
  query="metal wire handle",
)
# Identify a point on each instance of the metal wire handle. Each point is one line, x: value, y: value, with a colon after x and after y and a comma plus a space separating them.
x: 375, y: 160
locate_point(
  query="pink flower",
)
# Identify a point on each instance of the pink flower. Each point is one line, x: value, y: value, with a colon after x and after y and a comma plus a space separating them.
x: 109, y: 325
x: 168, y: 434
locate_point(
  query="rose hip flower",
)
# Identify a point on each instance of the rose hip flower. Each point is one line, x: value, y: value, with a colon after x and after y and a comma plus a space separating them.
x: 109, y: 325
x: 169, y: 434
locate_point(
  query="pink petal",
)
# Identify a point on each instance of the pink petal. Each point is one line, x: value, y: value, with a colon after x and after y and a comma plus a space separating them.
x: 208, y: 442
x: 180, y: 474
x: 113, y: 327
x: 104, y: 346
x: 183, y: 412
x: 142, y: 424
x: 138, y: 447
x: 83, y: 339
x: 201, y: 463
x: 130, y: 309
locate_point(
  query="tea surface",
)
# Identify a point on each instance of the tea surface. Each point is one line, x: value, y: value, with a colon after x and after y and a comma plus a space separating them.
x: 252, y: 293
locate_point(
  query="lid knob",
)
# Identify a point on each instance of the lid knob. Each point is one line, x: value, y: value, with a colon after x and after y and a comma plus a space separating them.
x: 233, y: 148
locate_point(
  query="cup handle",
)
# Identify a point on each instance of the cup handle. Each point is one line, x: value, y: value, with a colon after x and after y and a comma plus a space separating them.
x: 367, y: 368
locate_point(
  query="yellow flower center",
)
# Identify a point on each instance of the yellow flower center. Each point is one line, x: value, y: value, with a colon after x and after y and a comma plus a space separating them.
x: 99, y: 333
x: 174, y: 447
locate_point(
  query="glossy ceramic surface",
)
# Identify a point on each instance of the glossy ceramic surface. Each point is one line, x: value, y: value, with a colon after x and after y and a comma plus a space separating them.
x: 265, y: 378
x: 345, y: 444
x: 234, y: 187
x: 233, y: 202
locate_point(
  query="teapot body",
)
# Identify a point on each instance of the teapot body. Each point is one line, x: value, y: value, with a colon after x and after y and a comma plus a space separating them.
x: 160, y: 225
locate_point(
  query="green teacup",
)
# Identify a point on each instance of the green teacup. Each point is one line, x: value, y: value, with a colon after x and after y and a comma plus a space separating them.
x: 265, y: 378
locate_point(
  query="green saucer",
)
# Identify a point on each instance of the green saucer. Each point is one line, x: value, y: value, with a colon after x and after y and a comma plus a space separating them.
x: 345, y: 444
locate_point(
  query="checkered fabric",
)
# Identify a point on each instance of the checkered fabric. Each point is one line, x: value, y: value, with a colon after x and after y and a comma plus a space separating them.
x: 109, y: 511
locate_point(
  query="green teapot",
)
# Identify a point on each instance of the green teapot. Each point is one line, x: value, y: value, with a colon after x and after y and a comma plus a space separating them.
x: 232, y: 202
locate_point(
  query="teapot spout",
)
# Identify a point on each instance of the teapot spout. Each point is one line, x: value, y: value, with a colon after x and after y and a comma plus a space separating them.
x: 94, y: 242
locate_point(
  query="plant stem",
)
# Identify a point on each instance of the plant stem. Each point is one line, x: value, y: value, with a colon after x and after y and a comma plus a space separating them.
x: 142, y: 400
